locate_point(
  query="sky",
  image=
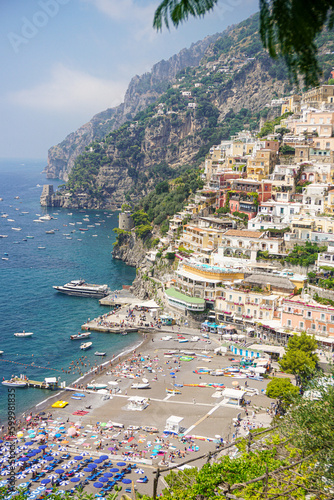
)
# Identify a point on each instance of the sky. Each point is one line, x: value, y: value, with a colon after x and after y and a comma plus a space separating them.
x: 63, y: 61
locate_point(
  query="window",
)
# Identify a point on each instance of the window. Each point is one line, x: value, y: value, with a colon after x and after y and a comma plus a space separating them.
x: 332, y: 318
x: 248, y: 311
x: 230, y: 297
x: 309, y: 314
x: 239, y: 309
x: 313, y: 326
x: 288, y: 322
x: 324, y: 329
x: 282, y: 210
x: 301, y: 324
x: 256, y: 301
x: 323, y: 317
x: 240, y: 299
x: 289, y: 309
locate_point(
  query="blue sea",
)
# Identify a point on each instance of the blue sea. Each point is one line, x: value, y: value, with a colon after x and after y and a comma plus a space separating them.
x: 28, y: 301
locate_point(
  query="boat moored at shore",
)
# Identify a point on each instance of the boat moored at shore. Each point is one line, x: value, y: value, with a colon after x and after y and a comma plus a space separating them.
x: 82, y: 289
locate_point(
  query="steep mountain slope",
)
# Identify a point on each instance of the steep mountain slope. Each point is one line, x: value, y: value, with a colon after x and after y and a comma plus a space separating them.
x: 229, y: 90
x: 142, y: 91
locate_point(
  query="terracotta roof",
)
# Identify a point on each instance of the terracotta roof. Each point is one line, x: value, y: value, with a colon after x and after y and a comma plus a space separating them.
x: 246, y: 234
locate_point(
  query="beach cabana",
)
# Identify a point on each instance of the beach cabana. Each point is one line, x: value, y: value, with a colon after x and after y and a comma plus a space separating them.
x: 137, y: 403
x: 173, y: 424
x: 233, y: 396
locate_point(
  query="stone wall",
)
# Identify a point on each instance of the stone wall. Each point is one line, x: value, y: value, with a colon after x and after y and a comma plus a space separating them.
x: 324, y: 294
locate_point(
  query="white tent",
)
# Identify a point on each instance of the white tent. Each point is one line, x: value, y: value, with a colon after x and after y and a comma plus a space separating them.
x: 233, y: 396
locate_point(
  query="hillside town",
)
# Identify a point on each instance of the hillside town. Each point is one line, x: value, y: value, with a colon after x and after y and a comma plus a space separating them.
x: 255, y: 247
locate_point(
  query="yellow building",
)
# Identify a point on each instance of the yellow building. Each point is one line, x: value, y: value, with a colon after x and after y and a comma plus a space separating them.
x: 200, y: 239
x: 261, y: 165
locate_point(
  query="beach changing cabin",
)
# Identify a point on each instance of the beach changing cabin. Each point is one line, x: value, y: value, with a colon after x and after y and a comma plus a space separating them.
x: 173, y: 424
x: 167, y: 320
x: 233, y: 397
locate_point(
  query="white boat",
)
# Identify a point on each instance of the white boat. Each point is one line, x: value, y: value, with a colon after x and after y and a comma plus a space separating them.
x: 97, y: 353
x: 15, y: 382
x: 3, y: 235
x: 23, y: 334
x: 41, y: 248
x: 50, y: 232
x: 194, y: 338
x: 80, y: 336
x: 4, y: 258
x: 1, y: 352
x: 82, y: 289
x: 30, y: 237
x: 96, y: 387
x: 140, y: 386
x: 45, y: 217
x: 17, y: 228
x: 86, y: 345
x: 182, y: 341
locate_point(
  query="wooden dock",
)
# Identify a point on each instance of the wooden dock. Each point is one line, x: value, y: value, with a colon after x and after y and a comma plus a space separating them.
x: 41, y: 385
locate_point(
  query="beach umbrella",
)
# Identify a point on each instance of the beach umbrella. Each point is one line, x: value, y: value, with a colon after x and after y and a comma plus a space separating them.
x: 64, y: 483
x: 121, y: 464
x: 126, y: 480
x: 52, y: 476
x: 62, y: 448
x: 78, y: 457
x: 24, y: 485
x: 139, y: 471
x: 58, y: 435
x: 55, y: 454
x: 75, y: 479
x: 108, y: 474
x: 79, y: 474
x: 45, y: 481
x: 21, y: 475
x: 103, y: 479
x: 104, y: 457
x: 66, y: 466
x: 3, y: 483
x: 114, y: 469
x: 111, y: 448
x: 98, y: 485
x: 85, y: 453
x: 48, y: 458
x: 59, y: 471
x: 88, y: 469
x: 24, y: 459
x: 92, y: 466
x: 42, y: 446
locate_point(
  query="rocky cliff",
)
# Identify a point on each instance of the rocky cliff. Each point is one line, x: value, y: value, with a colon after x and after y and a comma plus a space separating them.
x: 227, y: 90
x: 142, y: 91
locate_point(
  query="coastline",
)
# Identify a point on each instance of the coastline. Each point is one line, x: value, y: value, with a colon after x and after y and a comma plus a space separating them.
x: 83, y: 379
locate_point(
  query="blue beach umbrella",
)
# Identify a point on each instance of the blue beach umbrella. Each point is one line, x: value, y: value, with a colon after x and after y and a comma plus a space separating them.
x: 57, y: 435
x: 126, y: 481
x: 78, y: 457
x: 121, y: 464
x: 45, y: 481
x: 98, y: 461
x: 42, y: 446
x: 88, y: 469
x: 48, y: 458
x: 92, y: 466
x: 98, y: 485
x: 104, y: 457
x: 75, y: 479
x: 108, y: 474
x: 30, y: 443
x: 114, y: 469
x: 59, y: 471
x: 24, y: 459
x: 103, y: 479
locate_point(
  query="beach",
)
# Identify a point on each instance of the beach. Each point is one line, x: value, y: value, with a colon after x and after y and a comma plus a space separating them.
x: 106, y: 421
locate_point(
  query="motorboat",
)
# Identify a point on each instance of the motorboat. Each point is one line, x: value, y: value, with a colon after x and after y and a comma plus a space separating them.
x: 50, y: 232
x: 97, y: 353
x: 3, y: 235
x: 15, y: 382
x: 96, y: 386
x: 17, y: 228
x: 82, y: 289
x: 23, y: 334
x: 86, y: 345
x: 141, y: 385
x: 80, y: 336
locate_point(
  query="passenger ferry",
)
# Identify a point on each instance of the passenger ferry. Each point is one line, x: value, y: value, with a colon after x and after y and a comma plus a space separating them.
x: 82, y: 289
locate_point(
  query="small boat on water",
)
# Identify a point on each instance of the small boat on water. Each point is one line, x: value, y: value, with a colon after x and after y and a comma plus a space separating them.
x: 86, y: 345
x: 30, y: 237
x: 15, y: 382
x: 41, y: 248
x: 97, y: 353
x: 17, y: 228
x: 3, y: 235
x: 80, y: 336
x: 4, y: 258
x: 50, y: 232
x: 23, y: 334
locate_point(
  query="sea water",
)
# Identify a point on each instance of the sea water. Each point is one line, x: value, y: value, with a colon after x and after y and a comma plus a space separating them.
x: 27, y: 300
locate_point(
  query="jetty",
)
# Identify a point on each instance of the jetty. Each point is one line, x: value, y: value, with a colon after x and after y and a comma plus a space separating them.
x: 51, y: 383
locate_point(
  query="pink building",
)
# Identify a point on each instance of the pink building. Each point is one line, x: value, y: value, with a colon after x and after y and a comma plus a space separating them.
x: 308, y: 315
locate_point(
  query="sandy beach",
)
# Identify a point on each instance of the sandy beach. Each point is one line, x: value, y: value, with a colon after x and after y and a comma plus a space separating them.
x: 99, y: 422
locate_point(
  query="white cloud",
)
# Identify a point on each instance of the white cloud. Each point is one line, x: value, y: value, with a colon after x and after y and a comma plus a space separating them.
x: 70, y: 90
x: 134, y: 14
